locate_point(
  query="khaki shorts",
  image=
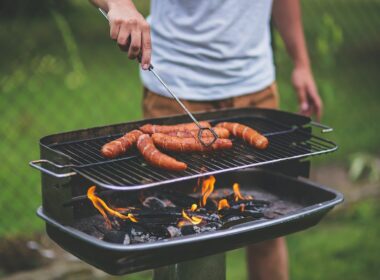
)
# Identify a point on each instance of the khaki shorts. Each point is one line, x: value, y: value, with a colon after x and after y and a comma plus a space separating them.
x: 155, y: 105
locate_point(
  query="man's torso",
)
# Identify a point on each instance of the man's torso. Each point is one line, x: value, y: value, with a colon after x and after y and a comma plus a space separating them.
x: 209, y: 50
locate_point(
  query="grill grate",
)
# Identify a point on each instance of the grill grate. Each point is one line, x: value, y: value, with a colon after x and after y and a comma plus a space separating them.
x: 131, y: 171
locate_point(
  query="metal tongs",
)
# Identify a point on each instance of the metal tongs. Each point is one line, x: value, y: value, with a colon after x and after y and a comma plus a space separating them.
x: 201, y: 129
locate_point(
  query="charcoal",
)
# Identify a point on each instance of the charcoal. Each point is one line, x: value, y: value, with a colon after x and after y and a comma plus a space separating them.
x: 236, y: 212
x: 173, y: 231
x: 159, y: 221
x: 165, y: 212
x: 187, y: 230
x: 153, y: 203
x: 159, y: 212
x: 229, y: 218
x: 137, y: 229
x: 118, y: 237
x: 179, y: 199
x: 211, y: 205
x: 158, y: 230
x: 212, y: 226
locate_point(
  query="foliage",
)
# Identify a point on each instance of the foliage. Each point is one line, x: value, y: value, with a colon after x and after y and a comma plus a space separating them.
x: 364, y: 166
x: 18, y: 8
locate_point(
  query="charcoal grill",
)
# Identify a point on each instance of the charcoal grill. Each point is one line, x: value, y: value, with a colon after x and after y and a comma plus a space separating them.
x: 71, y: 163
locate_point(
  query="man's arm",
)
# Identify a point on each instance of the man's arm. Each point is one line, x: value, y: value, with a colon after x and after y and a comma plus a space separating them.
x: 129, y: 28
x: 287, y: 19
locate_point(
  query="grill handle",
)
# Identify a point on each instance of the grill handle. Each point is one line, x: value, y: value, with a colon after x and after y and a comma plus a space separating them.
x: 325, y: 128
x: 37, y: 165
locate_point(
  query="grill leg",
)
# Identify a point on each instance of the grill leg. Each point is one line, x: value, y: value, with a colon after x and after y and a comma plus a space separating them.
x: 210, y: 268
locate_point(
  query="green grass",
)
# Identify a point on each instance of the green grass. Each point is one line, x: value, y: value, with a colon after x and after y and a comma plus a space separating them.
x: 47, y: 85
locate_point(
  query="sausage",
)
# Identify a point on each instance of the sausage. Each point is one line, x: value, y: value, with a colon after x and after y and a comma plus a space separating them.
x: 249, y: 135
x: 120, y: 145
x: 220, y: 131
x: 154, y: 157
x: 155, y: 128
x: 176, y: 144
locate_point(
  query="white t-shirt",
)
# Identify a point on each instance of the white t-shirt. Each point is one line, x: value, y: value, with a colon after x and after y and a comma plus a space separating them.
x: 210, y: 49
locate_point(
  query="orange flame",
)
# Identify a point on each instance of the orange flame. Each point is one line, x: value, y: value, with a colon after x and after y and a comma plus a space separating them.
x: 237, y: 193
x: 207, y: 188
x: 101, y: 206
x: 193, y: 219
x: 223, y: 203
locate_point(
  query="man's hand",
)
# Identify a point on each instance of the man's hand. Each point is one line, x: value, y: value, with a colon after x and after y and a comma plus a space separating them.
x: 309, y: 101
x: 287, y: 18
x: 131, y: 31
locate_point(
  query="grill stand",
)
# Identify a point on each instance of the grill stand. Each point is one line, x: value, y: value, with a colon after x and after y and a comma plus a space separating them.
x: 210, y: 268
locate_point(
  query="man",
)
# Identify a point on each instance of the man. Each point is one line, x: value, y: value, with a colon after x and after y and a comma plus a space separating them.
x: 216, y: 54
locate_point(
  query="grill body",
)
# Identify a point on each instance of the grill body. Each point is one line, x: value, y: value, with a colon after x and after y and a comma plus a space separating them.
x: 77, y: 165
x: 313, y: 202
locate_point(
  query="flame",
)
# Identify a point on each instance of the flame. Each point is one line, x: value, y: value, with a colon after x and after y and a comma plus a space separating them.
x: 101, y: 206
x: 193, y: 207
x: 193, y: 219
x: 223, y: 203
x: 237, y: 193
x: 207, y: 188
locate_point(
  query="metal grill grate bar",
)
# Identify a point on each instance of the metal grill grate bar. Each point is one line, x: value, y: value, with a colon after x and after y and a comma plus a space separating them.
x: 131, y: 172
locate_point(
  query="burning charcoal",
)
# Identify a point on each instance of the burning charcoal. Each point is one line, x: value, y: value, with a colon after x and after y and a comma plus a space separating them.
x: 167, y: 216
x: 153, y: 203
x: 174, y: 231
x: 229, y: 212
x: 187, y: 230
x: 118, y: 237
x: 231, y: 199
x: 179, y: 199
x: 211, y: 205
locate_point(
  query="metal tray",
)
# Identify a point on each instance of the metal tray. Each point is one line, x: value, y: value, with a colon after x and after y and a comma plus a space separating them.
x: 77, y: 152
x: 308, y: 202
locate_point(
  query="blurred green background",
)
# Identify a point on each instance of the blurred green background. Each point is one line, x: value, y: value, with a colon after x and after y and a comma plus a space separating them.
x: 59, y: 71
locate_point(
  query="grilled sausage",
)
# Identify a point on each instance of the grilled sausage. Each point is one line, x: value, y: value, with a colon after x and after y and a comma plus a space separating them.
x: 155, y: 157
x: 249, y: 135
x: 176, y: 144
x: 154, y: 128
x: 220, y: 131
x: 120, y: 145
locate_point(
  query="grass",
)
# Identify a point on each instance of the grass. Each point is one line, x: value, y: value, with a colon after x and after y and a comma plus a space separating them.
x: 61, y: 72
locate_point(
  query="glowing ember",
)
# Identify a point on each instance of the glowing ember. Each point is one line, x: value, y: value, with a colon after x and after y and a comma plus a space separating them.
x: 103, y: 208
x: 237, y: 193
x: 242, y: 207
x: 207, y: 189
x: 193, y: 207
x: 223, y: 203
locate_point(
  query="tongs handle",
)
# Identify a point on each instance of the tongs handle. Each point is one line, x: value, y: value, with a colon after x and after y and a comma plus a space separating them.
x: 201, y: 129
